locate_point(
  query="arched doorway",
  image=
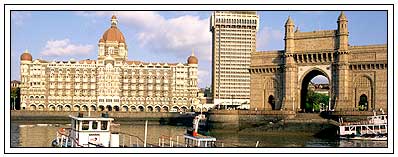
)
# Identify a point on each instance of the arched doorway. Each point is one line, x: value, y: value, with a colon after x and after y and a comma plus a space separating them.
x: 125, y: 109
x: 315, y: 89
x: 149, y: 109
x: 116, y: 108
x: 84, y: 108
x: 92, y: 108
x: 165, y: 109
x: 271, y: 101
x: 157, y: 108
x: 32, y: 107
x: 141, y: 108
x: 101, y: 108
x: 108, y: 108
x: 363, y: 103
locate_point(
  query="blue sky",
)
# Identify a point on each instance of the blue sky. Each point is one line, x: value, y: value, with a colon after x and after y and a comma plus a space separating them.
x: 167, y: 36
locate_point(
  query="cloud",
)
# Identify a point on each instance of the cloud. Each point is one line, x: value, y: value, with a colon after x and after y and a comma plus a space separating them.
x: 18, y: 17
x: 65, y: 48
x: 176, y: 35
x: 266, y: 35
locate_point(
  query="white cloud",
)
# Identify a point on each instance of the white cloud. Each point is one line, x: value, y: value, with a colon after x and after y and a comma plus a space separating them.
x: 176, y: 35
x: 265, y: 35
x: 65, y: 48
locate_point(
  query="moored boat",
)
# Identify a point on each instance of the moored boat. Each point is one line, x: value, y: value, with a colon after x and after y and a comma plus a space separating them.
x: 374, y: 128
x: 87, y: 132
x: 193, y: 139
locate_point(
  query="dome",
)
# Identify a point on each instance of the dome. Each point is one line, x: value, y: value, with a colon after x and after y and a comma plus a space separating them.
x: 26, y: 56
x: 113, y: 33
x: 192, y: 59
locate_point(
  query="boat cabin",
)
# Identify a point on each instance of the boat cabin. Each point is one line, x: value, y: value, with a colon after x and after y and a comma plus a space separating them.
x: 92, y: 132
x: 379, y: 119
x: 199, y: 141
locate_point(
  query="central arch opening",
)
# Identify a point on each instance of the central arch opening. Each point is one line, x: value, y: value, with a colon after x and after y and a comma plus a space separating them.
x: 315, y: 90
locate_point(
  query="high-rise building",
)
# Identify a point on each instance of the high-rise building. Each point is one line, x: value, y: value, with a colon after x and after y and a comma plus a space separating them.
x: 233, y: 41
x: 111, y: 83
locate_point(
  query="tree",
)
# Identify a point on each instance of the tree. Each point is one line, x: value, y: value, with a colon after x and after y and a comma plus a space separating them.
x: 314, y: 101
x: 15, y: 98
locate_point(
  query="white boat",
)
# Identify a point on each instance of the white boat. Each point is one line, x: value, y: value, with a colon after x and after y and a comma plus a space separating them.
x: 374, y: 128
x: 87, y: 132
x: 193, y: 139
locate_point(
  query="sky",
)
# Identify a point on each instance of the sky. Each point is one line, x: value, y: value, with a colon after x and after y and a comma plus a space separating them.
x: 167, y: 36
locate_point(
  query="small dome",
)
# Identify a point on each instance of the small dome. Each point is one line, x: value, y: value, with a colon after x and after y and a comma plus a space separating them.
x: 289, y: 22
x: 192, y: 59
x: 101, y: 40
x: 113, y: 33
x: 26, y: 56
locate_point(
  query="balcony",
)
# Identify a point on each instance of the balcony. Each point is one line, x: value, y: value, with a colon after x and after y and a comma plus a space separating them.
x: 141, y: 81
x: 150, y: 81
x: 165, y: 81
x: 77, y: 80
x: 157, y: 81
x: 92, y: 80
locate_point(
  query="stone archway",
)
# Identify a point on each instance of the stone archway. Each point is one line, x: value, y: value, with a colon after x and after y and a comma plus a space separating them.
x: 305, y: 82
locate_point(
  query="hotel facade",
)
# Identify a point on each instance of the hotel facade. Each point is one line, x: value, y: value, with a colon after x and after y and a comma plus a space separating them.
x: 110, y: 83
x: 233, y: 42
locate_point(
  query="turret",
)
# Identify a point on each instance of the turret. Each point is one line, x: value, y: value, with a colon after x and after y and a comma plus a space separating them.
x: 342, y: 32
x: 289, y: 35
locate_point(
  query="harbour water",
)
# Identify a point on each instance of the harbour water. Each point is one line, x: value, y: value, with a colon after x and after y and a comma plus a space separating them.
x: 41, y: 134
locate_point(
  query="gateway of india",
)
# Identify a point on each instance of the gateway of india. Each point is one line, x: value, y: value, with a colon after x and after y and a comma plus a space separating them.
x: 111, y: 83
x: 357, y: 74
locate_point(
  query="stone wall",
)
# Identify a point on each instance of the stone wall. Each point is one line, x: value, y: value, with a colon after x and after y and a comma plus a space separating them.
x: 161, y: 117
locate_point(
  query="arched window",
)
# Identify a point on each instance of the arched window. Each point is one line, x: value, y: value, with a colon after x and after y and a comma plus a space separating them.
x: 363, y: 103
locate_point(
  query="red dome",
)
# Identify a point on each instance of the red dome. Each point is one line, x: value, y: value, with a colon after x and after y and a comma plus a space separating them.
x: 26, y: 56
x: 113, y: 33
x: 192, y: 60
